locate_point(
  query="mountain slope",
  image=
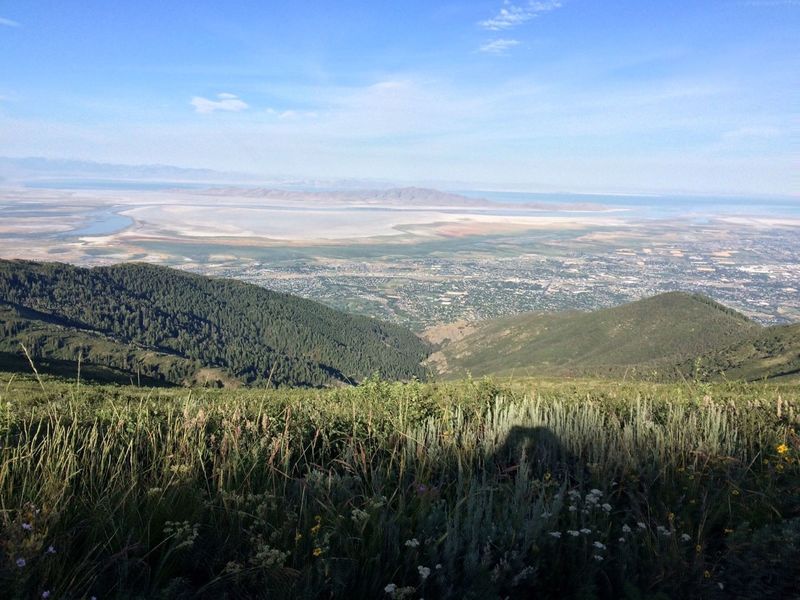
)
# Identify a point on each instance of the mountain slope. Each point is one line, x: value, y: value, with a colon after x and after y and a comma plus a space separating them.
x: 772, y: 353
x: 174, y: 327
x: 647, y: 335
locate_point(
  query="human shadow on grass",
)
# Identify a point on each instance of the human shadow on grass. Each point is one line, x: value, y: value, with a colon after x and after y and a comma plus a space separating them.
x: 539, y: 450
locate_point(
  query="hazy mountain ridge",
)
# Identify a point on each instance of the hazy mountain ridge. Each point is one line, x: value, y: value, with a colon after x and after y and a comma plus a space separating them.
x: 169, y: 326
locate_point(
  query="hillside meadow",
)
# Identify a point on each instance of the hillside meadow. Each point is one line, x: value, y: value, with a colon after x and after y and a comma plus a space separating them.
x: 469, y: 489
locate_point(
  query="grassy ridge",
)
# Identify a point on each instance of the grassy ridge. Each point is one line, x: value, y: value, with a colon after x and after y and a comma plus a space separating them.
x: 458, y: 490
x: 658, y: 337
x: 175, y: 327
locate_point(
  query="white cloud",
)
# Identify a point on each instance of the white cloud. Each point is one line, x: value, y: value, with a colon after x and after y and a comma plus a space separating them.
x: 752, y: 132
x: 512, y: 15
x: 498, y: 46
x: 225, y: 102
x: 8, y: 22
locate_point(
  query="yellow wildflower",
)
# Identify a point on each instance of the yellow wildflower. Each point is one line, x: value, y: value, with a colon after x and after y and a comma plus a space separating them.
x: 782, y: 449
x: 707, y: 574
x: 317, y: 552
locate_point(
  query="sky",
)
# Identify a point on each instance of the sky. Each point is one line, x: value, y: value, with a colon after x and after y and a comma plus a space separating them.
x: 697, y: 96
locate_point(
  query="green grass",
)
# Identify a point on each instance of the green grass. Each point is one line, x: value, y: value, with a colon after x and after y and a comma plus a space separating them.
x: 173, y: 493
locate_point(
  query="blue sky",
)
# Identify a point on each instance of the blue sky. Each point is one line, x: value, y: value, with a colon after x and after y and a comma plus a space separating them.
x: 570, y: 95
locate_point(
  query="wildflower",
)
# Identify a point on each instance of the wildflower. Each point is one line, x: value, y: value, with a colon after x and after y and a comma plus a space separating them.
x: 685, y: 537
x: 546, y: 515
x: 424, y: 572
x: 46, y: 594
x: 422, y: 488
x: 412, y: 543
x: 21, y: 562
x: 782, y: 449
x: 626, y: 528
x: 50, y: 550
x: 698, y: 548
x: 598, y: 558
x: 599, y: 545
x: 707, y: 574
x: 359, y: 516
x: 586, y: 531
x: 555, y: 534
x: 317, y: 551
x: 641, y: 525
x: 438, y: 566
x: 595, y: 492
x: 735, y: 492
x: 27, y: 527
x: 390, y: 588
x: 572, y: 508
x: 607, y: 507
x: 573, y: 533
x: 315, y: 529
x: 621, y: 540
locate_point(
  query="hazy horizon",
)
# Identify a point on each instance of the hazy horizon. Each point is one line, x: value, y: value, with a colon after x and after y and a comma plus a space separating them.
x: 576, y: 96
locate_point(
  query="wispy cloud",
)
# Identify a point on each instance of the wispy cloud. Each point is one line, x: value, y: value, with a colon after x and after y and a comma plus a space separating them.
x: 765, y: 132
x: 224, y: 102
x: 512, y: 15
x: 8, y: 22
x: 500, y: 46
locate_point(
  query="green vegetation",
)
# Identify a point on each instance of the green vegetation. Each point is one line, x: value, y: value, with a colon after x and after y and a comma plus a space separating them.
x: 666, y: 337
x: 771, y: 353
x: 149, y: 324
x: 474, y: 489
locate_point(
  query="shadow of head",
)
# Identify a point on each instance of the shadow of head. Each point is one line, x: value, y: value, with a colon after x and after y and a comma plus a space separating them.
x: 537, y: 447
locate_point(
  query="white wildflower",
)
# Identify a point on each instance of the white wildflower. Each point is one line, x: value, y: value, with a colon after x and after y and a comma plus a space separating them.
x: 598, y: 558
x: 412, y: 543
x: 599, y: 545
x: 573, y: 533
x: 390, y: 589
x: 686, y: 537
x: 626, y: 528
x: 607, y: 507
x: 641, y: 525
x: 546, y: 515
x: 555, y: 534
x: 424, y: 572
x: 586, y: 531
x: 572, y: 508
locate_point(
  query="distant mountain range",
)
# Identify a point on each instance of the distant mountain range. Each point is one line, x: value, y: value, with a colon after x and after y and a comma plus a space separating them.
x: 665, y: 337
x: 160, y: 326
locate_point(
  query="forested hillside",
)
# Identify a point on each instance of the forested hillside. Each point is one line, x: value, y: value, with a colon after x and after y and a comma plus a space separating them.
x: 649, y: 338
x: 174, y: 327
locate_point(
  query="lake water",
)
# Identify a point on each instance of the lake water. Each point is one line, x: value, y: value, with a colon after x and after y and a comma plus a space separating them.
x: 105, y: 222
x: 656, y: 206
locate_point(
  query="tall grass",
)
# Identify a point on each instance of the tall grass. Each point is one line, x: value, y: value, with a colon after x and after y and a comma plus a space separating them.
x: 469, y: 490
